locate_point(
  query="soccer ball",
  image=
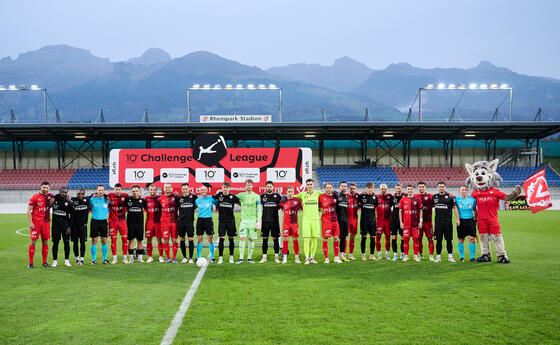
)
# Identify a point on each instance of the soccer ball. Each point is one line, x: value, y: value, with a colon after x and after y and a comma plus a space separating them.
x: 202, y: 262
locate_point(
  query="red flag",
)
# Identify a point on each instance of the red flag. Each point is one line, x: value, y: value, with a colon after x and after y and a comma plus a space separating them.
x: 536, y: 189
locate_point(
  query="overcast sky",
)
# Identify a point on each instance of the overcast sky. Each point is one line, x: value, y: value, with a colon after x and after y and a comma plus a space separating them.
x: 521, y: 35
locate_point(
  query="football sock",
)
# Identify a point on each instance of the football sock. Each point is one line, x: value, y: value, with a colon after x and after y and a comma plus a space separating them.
x: 472, y: 249
x: 307, y: 246
x: 313, y: 247
x: 175, y: 246
x: 93, y: 249
x: 326, y: 249
x: 31, y: 251
x: 336, y: 246
x: 250, y: 250
x: 160, y: 248
x: 420, y: 245
x: 415, y: 245
x: 276, y: 245
x: 242, y: 248
x: 461, y: 248
x: 387, y: 244
x: 221, y: 247
x: 296, y: 247
x: 371, y: 245
x: 351, y: 246
x: 265, y: 245
x: 76, y: 249
x: 394, y: 245
x: 103, y: 251
x: 166, y: 249
x: 449, y: 247
x: 45, y: 252
x: 363, y: 244
x: 431, y: 245
x: 66, y: 250
x: 402, y: 245
x: 114, y: 245
x: 198, y: 250
x: 231, y: 246
x: 191, y: 249
x: 406, y: 246
x: 82, y: 247
x: 183, y: 248
x: 55, y: 250
x: 439, y: 246
x: 377, y: 242
x: 285, y: 247
x: 212, y: 248
x: 150, y: 248
x: 124, y: 246
x: 343, y: 244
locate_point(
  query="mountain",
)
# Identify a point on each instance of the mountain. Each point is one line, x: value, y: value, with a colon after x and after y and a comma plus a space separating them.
x: 125, y: 89
x: 151, y: 56
x: 56, y: 67
x: 397, y: 86
x: 344, y: 75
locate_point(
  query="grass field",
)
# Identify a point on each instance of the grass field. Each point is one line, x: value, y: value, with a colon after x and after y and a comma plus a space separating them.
x: 352, y: 303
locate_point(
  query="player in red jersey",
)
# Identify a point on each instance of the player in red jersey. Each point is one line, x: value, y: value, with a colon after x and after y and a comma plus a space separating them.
x: 39, y: 217
x: 352, y: 221
x: 329, y: 222
x: 153, y: 225
x: 169, y: 221
x: 410, y: 216
x: 383, y: 224
x: 290, y: 206
x: 117, y: 221
x: 427, y: 227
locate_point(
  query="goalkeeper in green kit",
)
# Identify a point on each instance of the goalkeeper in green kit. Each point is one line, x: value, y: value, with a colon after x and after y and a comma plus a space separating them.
x: 251, y: 211
x: 311, y: 221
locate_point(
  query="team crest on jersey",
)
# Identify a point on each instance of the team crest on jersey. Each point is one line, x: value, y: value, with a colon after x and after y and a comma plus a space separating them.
x: 122, y: 199
x: 66, y: 204
x: 447, y: 196
x: 231, y: 196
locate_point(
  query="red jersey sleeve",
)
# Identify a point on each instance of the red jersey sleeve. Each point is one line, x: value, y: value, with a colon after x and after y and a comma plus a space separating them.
x: 401, y: 204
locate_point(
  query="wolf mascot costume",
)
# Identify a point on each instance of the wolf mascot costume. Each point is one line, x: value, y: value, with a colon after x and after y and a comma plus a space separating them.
x: 483, y: 179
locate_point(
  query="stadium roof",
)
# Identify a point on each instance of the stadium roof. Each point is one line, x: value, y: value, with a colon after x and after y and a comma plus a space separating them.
x: 283, y: 131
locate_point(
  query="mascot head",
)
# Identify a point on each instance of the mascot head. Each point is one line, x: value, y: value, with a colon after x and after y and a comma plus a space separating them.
x: 483, y: 175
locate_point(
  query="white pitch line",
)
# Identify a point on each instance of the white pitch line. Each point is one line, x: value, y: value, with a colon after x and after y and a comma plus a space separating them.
x: 178, y: 319
x: 19, y: 233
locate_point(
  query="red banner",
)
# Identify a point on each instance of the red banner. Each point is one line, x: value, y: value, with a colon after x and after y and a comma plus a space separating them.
x: 283, y: 166
x: 536, y: 189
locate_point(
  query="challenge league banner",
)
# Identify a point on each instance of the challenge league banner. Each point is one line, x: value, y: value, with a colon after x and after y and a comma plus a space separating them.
x: 210, y: 164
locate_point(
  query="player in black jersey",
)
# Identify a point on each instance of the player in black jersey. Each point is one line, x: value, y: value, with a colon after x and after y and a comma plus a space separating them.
x: 62, y: 208
x: 135, y: 206
x: 226, y: 220
x: 444, y: 204
x: 79, y: 220
x: 342, y: 216
x: 270, y: 224
x: 367, y: 203
x: 186, y: 204
x: 395, y: 222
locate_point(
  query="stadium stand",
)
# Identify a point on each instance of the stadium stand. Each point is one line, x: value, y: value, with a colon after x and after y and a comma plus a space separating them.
x: 23, y: 179
x: 15, y: 179
x: 360, y: 176
x: 453, y: 176
x: 89, y: 178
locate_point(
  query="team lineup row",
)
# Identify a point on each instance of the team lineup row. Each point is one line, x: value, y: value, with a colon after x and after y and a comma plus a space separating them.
x: 170, y: 218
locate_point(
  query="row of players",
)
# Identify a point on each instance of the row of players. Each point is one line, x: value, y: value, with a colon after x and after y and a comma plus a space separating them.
x: 330, y: 214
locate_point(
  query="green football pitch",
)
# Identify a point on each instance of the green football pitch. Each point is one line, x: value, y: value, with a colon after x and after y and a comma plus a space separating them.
x: 350, y: 303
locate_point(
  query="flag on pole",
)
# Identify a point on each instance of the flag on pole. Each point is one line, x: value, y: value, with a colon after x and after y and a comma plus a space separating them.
x: 536, y: 189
